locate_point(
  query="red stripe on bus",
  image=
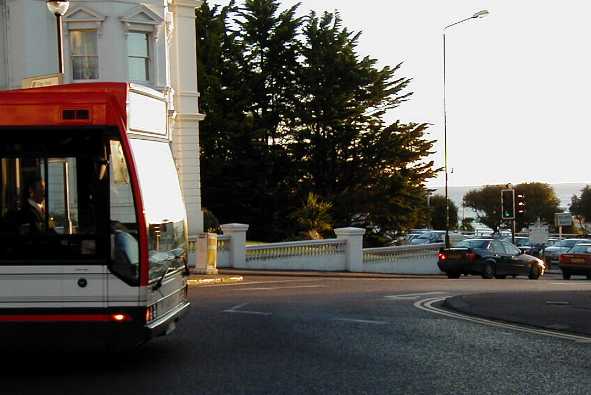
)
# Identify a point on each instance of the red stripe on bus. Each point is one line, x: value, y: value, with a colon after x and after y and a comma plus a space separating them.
x: 60, y: 318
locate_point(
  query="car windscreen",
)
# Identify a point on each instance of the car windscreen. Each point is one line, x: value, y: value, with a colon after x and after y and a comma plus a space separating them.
x: 581, y: 249
x: 568, y: 243
x: 473, y: 243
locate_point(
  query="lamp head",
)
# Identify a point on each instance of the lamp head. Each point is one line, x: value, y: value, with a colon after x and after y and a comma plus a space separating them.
x: 58, y: 7
x: 480, y: 14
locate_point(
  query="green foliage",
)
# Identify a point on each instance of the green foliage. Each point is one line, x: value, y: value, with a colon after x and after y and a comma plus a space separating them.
x: 486, y: 202
x: 314, y: 218
x: 581, y: 206
x: 438, y: 217
x: 210, y: 222
x: 541, y: 202
x: 467, y: 224
x: 291, y: 110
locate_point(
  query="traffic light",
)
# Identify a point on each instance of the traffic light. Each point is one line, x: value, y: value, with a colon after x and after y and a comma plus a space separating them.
x: 508, y: 204
x: 520, y: 204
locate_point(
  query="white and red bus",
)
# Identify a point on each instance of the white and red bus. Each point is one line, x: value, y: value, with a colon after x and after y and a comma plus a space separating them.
x: 93, y: 229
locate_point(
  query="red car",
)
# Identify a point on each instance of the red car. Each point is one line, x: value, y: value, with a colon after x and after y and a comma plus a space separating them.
x: 576, y: 261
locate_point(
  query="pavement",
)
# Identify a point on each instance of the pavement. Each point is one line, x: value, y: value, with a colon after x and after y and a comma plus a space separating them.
x: 196, y: 280
x: 564, y: 311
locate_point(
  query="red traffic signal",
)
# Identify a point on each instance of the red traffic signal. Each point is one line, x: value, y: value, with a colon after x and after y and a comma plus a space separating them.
x: 520, y: 206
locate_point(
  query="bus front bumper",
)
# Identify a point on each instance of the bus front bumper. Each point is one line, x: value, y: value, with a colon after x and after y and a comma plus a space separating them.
x: 167, y: 323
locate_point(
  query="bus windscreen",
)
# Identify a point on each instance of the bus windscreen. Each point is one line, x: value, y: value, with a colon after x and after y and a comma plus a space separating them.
x: 53, y: 197
x: 163, y: 205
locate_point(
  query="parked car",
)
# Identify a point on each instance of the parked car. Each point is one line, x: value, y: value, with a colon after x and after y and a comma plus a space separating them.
x: 522, y: 243
x: 437, y: 236
x: 576, y: 261
x: 433, y: 236
x: 552, y: 253
x: 488, y: 258
x: 527, y: 247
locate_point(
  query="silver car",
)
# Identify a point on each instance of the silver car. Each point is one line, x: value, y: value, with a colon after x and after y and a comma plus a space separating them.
x: 433, y: 236
x: 552, y: 253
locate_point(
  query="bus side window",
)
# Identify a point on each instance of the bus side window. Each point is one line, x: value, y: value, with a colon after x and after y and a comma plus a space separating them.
x: 124, y: 229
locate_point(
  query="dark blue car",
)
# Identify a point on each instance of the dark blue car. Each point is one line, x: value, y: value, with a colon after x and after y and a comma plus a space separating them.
x: 488, y: 258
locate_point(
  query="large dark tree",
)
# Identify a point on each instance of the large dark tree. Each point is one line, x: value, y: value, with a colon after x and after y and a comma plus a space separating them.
x: 244, y: 171
x: 372, y: 172
x: 486, y: 202
x: 438, y: 216
x: 291, y: 110
x: 541, y: 202
x: 581, y: 206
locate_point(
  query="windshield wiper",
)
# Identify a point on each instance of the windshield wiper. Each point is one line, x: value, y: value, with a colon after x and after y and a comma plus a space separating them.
x: 159, y: 282
x: 172, y: 257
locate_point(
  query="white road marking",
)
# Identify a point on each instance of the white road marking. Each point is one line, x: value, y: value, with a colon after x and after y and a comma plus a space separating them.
x: 412, y: 296
x: 279, y: 288
x: 361, y: 321
x: 247, y: 312
x: 303, y: 286
x: 427, y: 305
x: 574, y: 283
x: 235, y: 310
x: 260, y: 282
x: 236, y: 307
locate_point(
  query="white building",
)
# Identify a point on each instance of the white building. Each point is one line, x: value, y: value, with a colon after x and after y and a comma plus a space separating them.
x: 151, y: 42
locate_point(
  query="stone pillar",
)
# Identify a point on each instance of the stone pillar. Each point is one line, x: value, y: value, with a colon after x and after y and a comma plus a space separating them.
x: 207, y: 247
x: 186, y: 118
x: 354, y: 248
x: 237, y: 244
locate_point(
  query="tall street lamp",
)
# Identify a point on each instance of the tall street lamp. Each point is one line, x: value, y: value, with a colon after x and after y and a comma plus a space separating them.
x: 479, y: 14
x: 59, y: 8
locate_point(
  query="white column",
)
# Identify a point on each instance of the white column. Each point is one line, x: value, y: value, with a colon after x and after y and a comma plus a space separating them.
x: 3, y: 44
x: 237, y: 232
x: 354, y: 248
x: 185, y: 133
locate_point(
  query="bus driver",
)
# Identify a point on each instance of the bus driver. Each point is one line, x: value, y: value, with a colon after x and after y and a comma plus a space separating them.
x: 31, y: 217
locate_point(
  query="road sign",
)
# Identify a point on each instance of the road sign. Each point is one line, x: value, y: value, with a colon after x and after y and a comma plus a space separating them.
x: 538, y: 233
x: 563, y: 219
x: 42, y: 80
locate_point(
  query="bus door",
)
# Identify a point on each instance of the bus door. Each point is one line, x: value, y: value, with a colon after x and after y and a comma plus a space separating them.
x: 53, y: 238
x: 123, y: 274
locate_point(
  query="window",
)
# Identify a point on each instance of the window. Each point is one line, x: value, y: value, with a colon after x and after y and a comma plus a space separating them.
x: 138, y: 56
x: 83, y: 49
x: 511, y: 249
x: 52, y: 198
x: 163, y: 205
x: 125, y: 257
x: 497, y: 247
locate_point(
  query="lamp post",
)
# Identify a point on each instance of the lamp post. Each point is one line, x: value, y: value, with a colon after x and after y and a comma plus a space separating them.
x: 479, y: 14
x: 59, y: 8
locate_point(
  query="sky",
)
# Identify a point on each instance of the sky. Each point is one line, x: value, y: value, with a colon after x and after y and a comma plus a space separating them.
x: 518, y: 81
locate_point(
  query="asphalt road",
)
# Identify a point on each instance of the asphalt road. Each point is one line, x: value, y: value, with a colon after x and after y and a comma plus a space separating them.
x: 337, y: 335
